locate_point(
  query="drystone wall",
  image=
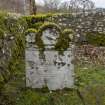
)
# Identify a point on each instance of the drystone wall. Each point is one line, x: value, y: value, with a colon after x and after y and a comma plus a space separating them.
x: 94, y: 22
x: 89, y: 54
x: 49, y: 69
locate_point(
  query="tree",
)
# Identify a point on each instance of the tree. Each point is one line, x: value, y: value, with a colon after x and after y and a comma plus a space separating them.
x: 64, y: 6
x: 51, y: 5
x: 78, y: 6
x: 32, y: 7
x: 86, y: 6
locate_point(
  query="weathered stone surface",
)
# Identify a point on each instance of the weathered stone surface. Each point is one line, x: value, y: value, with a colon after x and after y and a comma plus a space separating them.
x: 6, y: 45
x: 54, y: 71
x: 89, y: 54
x: 49, y: 36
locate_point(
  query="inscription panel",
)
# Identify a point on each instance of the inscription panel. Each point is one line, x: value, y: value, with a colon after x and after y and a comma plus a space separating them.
x: 55, y: 71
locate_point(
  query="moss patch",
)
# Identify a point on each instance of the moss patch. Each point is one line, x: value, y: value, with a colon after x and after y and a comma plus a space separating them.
x: 97, y: 39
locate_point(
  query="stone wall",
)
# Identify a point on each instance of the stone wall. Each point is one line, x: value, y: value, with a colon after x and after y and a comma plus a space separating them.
x: 6, y: 44
x: 94, y: 22
x: 88, y: 54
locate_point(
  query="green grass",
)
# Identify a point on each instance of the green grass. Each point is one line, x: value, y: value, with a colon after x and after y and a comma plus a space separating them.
x: 32, y: 97
x: 90, y: 75
x: 90, y: 81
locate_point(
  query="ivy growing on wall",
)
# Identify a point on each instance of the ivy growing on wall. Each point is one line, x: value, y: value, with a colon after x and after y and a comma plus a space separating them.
x: 13, y: 68
x: 18, y: 50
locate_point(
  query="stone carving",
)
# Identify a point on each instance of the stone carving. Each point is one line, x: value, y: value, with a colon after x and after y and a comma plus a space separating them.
x: 49, y: 36
x: 30, y: 40
x: 51, y: 69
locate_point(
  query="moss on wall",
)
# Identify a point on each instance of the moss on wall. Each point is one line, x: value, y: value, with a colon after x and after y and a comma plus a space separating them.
x: 30, y: 30
x: 97, y: 39
x: 12, y: 27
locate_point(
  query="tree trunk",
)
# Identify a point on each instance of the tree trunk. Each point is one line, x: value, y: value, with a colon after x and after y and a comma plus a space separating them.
x: 33, y: 8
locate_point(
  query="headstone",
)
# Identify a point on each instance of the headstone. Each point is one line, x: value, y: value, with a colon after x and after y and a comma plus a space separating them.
x: 53, y: 70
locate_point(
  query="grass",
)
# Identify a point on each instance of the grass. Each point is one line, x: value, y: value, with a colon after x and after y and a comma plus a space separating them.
x: 90, y: 82
x: 32, y: 97
x: 90, y: 75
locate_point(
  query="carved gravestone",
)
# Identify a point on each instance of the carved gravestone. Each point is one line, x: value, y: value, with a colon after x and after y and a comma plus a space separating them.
x: 54, y: 71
